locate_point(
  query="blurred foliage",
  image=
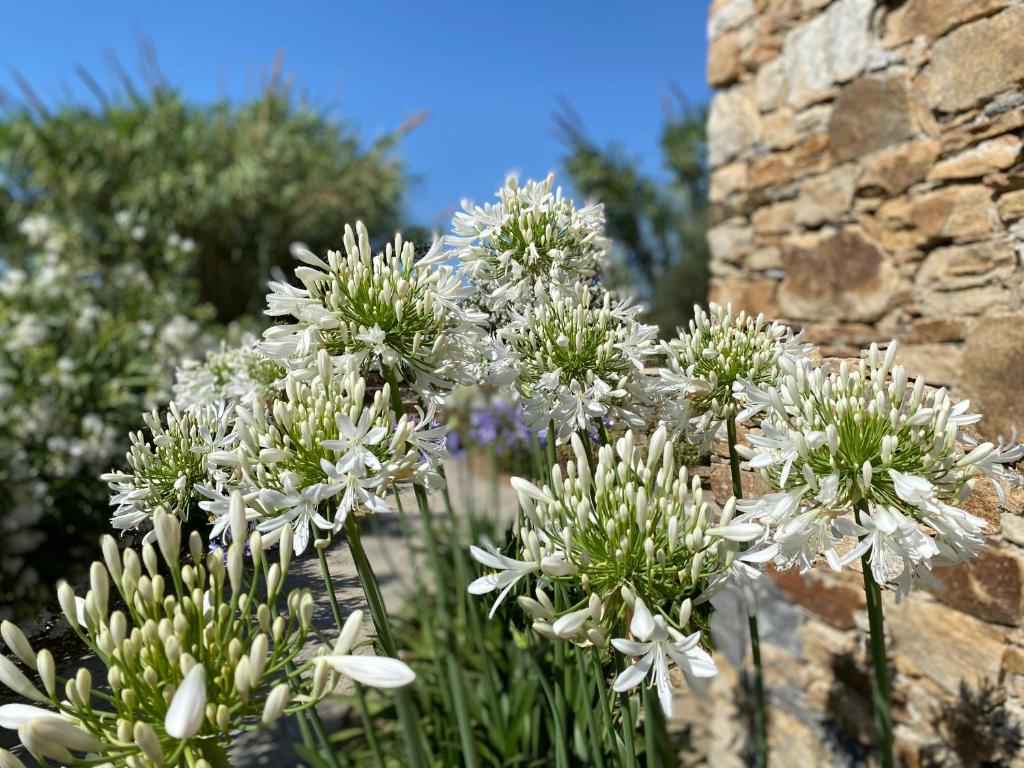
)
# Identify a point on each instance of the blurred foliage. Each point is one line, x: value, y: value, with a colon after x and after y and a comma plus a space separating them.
x: 658, y: 224
x: 241, y: 182
x: 125, y: 230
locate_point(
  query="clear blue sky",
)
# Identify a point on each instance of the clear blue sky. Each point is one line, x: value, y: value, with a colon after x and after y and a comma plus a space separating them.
x: 489, y: 73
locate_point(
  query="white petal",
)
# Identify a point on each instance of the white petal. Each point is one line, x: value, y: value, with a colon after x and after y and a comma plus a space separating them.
x: 375, y: 671
x: 188, y: 706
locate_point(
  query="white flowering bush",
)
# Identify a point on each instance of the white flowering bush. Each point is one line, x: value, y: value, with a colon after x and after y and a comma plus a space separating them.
x: 577, y: 360
x: 533, y: 235
x: 191, y: 658
x: 79, y: 360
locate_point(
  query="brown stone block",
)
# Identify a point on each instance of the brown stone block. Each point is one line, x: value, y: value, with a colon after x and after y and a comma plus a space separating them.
x: 931, y: 330
x: 940, y: 365
x: 962, y: 213
x: 827, y: 197
x: 775, y: 219
x: 870, y: 113
x: 988, y: 157
x: 969, y: 279
x: 727, y: 180
x: 895, y: 169
x: 724, y: 59
x: 932, y: 18
x: 754, y: 296
x: 836, y: 602
x: 944, y: 644
x: 1011, y: 205
x: 977, y: 61
x: 990, y: 587
x: 955, y: 138
x: 993, y: 372
x: 845, y: 277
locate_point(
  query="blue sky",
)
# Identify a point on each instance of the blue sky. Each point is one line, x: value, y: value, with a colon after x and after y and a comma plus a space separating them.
x: 489, y: 73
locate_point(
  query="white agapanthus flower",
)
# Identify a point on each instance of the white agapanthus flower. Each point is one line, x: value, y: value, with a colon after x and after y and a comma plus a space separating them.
x: 388, y: 311
x: 230, y: 375
x: 653, y: 644
x: 188, y: 662
x: 635, y: 529
x: 166, y: 470
x: 861, y: 455
x: 577, y: 360
x: 323, y: 450
x: 532, y: 235
x: 720, y: 348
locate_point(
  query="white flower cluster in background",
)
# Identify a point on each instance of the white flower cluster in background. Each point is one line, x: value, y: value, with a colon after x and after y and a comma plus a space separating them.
x: 532, y: 235
x: 77, y: 366
x: 861, y: 460
x: 389, y: 312
x: 577, y: 360
x: 190, y: 657
x: 721, y: 348
x: 227, y: 376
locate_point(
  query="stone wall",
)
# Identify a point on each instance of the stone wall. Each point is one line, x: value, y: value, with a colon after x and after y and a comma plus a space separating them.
x: 868, y: 183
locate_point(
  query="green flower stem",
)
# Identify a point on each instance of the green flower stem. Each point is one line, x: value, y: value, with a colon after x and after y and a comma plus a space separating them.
x: 332, y: 598
x: 760, y: 708
x: 597, y: 745
x: 602, y: 697
x: 561, y: 751
x: 880, y: 694
x: 371, y: 734
x: 415, y: 742
x: 552, y: 450
x: 650, y: 744
x: 628, y: 726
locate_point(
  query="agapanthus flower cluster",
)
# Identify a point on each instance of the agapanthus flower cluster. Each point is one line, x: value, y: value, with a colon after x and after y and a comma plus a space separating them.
x: 636, y: 531
x: 388, y: 311
x: 863, y: 461
x: 322, y: 450
x: 229, y: 375
x: 531, y: 235
x: 193, y: 656
x: 577, y: 359
x: 167, y: 470
x: 721, y: 348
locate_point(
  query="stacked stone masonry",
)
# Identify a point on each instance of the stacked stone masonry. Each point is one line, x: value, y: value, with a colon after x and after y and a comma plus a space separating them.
x: 867, y: 183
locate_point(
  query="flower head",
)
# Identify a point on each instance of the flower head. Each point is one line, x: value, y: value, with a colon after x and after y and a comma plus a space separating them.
x: 531, y: 235
x: 861, y: 452
x: 721, y: 349
x: 167, y: 470
x: 636, y: 528
x: 387, y: 311
x: 576, y: 359
x: 230, y: 375
x: 325, y: 449
x: 190, y: 657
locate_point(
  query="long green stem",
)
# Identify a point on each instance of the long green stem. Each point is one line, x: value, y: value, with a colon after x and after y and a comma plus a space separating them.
x: 415, y: 742
x: 628, y: 727
x: 880, y: 681
x: 650, y: 718
x: 597, y: 744
x: 606, y: 710
x: 760, y: 709
x: 371, y: 734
